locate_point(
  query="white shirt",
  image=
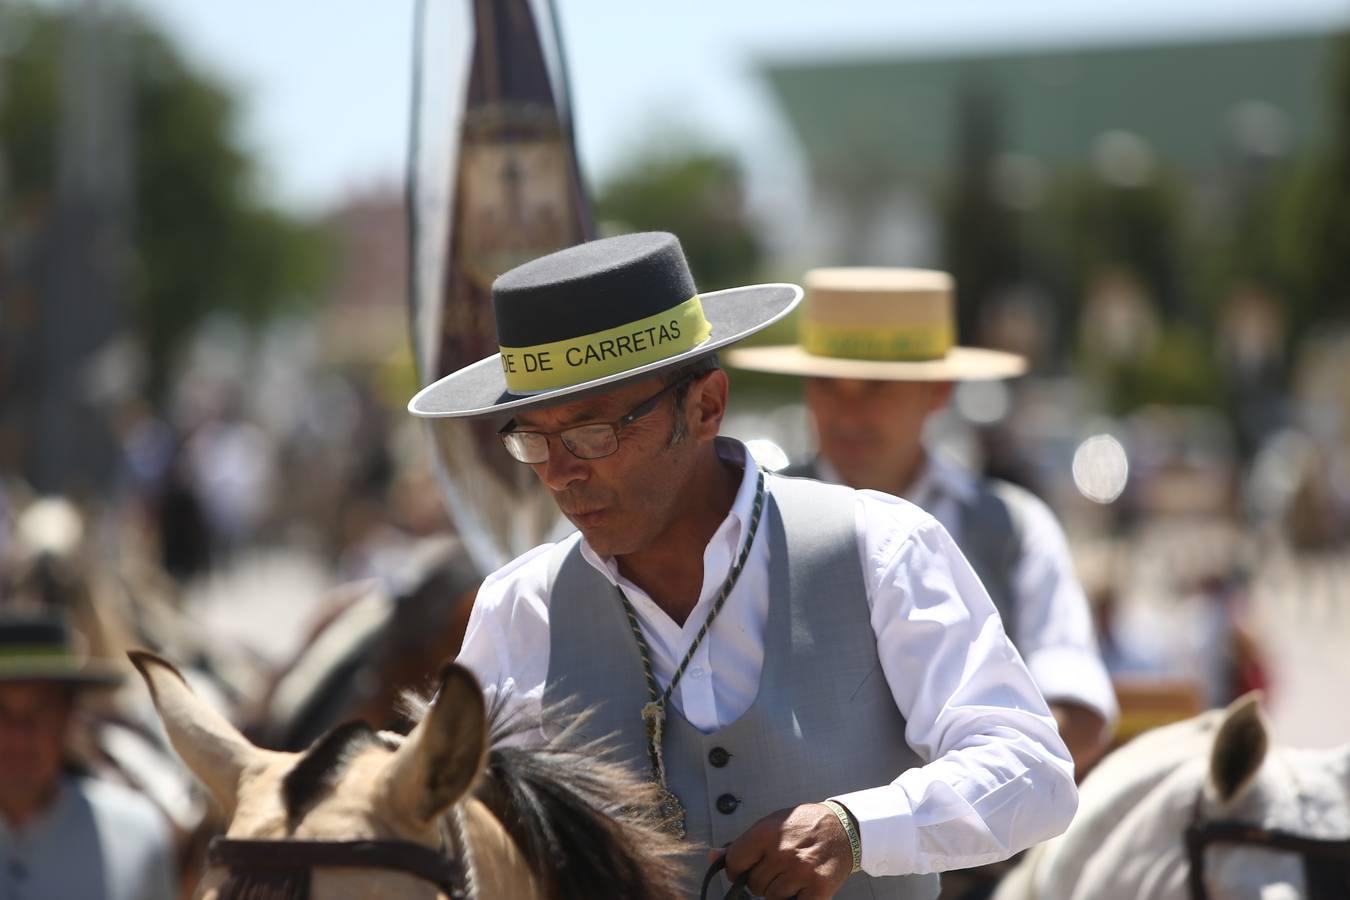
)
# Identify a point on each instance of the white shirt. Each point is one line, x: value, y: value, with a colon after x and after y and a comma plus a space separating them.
x: 95, y: 839
x: 1054, y: 631
x: 1000, y: 778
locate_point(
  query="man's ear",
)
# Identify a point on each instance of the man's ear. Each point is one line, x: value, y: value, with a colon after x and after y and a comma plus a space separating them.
x: 708, y: 405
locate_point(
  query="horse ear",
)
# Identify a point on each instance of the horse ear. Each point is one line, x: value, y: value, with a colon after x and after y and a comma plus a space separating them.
x: 1239, y: 747
x: 444, y: 754
x: 209, y: 745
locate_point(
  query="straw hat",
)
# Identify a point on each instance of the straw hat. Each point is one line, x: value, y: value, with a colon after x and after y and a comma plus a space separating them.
x: 879, y: 324
x: 39, y: 646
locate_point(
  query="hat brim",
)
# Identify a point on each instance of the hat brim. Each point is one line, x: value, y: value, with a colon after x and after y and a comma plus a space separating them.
x: 960, y: 364
x: 479, y: 390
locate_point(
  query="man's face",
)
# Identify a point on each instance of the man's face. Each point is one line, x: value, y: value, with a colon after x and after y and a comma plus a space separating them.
x: 34, y: 717
x: 871, y: 430
x: 621, y: 502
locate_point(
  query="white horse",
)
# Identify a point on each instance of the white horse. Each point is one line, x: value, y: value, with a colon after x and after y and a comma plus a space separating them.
x: 1128, y: 841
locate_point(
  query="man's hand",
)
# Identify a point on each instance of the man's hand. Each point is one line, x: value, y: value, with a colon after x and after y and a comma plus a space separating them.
x: 801, y: 852
x: 1084, y: 733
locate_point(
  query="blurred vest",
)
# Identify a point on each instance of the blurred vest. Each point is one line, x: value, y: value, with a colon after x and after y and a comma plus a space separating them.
x: 824, y: 721
x: 990, y: 538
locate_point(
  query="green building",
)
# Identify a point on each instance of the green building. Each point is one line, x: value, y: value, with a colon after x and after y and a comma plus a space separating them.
x: 884, y: 138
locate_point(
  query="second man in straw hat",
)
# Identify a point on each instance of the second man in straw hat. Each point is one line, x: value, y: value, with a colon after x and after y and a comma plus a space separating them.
x: 877, y: 349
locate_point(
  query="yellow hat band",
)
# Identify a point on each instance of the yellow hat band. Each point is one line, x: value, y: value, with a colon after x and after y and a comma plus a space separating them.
x: 560, y: 364
x: 912, y: 343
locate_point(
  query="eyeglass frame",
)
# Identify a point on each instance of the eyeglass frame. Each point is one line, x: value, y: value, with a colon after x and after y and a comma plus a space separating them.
x: 646, y: 407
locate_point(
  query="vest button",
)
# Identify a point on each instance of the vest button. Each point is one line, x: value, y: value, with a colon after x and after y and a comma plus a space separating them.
x: 718, y: 757
x: 726, y: 804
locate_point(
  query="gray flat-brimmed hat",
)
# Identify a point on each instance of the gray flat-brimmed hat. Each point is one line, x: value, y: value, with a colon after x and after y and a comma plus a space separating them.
x: 881, y: 325
x: 39, y: 646
x: 595, y: 316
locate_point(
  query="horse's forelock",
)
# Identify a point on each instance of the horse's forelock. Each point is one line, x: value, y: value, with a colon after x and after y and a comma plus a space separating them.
x: 265, y: 886
x: 322, y: 764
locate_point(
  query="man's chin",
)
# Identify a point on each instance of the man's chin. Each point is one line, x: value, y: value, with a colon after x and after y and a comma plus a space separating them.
x: 606, y: 540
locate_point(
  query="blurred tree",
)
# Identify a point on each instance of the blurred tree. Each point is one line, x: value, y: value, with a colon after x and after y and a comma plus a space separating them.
x: 1312, y: 233
x: 1094, y: 226
x: 981, y: 245
x: 697, y: 195
x: 202, y: 236
x: 1178, y: 369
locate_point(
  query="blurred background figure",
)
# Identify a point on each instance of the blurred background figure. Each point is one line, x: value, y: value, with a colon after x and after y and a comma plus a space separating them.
x: 62, y: 833
x: 876, y: 349
x: 877, y: 353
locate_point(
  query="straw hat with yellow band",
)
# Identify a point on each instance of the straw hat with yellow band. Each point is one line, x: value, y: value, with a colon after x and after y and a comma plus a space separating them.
x: 882, y: 325
x: 593, y: 317
x: 39, y: 646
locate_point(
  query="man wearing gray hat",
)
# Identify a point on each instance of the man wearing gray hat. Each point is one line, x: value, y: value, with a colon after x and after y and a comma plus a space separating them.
x: 814, y: 674
x: 63, y: 834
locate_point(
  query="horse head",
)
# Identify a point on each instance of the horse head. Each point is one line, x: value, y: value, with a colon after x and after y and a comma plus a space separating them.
x: 1243, y: 781
x: 351, y: 785
x: 1216, y: 773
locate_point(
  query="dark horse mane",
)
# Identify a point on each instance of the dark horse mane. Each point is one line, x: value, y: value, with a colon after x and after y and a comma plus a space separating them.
x: 582, y: 820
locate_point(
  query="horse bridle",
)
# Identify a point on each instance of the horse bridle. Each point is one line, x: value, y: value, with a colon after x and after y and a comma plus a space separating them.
x: 299, y: 857
x: 738, y: 889
x: 286, y: 857
x: 448, y: 875
x: 1199, y: 836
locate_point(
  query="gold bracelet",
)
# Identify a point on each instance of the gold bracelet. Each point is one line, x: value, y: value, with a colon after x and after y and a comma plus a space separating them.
x: 851, y: 829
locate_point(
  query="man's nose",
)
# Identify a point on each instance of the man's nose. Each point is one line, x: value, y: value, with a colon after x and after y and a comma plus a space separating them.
x: 562, y: 469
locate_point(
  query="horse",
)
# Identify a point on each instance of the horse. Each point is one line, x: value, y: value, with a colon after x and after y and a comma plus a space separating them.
x: 460, y: 809
x: 1204, y: 808
x: 372, y: 645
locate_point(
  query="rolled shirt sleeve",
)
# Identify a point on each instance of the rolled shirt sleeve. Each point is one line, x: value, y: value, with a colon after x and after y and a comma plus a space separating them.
x: 999, y: 777
x: 1054, y: 625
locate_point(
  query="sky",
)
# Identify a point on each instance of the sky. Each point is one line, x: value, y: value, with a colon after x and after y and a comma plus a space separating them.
x: 325, y: 85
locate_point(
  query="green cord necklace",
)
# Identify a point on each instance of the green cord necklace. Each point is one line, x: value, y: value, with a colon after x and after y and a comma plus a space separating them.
x: 654, y: 712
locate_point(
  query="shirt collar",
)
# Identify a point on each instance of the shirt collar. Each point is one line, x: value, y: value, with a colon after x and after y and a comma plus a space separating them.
x: 731, y: 451
x: 938, y: 477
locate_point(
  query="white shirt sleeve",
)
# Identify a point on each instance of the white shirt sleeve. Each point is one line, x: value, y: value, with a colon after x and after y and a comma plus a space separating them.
x: 999, y: 778
x: 511, y: 612
x: 1053, y: 624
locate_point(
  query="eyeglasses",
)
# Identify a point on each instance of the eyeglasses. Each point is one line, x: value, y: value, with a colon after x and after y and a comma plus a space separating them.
x: 590, y: 441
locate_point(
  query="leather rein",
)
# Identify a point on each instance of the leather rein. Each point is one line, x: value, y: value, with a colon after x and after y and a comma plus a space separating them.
x: 738, y: 889
x: 298, y: 857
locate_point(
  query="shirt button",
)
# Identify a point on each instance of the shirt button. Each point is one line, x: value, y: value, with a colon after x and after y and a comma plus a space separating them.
x: 696, y: 672
x: 718, y: 757
x: 726, y: 804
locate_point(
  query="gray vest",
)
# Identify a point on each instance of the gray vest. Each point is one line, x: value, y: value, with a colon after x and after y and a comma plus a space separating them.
x: 824, y: 721
x: 990, y: 538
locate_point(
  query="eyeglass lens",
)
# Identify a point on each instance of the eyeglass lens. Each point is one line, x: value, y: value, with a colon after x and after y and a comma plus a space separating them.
x: 584, y: 441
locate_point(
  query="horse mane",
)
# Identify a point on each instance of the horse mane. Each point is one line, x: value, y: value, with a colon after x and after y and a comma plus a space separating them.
x: 265, y: 886
x: 582, y: 820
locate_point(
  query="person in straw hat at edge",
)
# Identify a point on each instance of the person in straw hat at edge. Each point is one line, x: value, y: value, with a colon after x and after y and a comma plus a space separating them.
x: 63, y: 834
x: 813, y: 674
x: 876, y: 349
